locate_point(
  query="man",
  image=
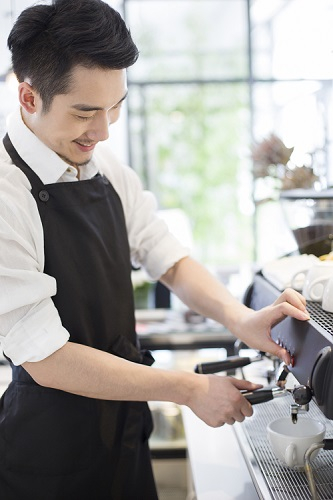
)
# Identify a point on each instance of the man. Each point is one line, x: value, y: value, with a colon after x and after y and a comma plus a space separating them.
x: 74, y: 422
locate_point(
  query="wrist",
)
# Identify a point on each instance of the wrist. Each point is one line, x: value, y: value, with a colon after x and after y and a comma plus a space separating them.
x: 184, y: 386
x: 236, y: 318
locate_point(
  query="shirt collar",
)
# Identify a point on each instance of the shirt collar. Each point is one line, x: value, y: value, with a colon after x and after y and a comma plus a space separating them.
x: 49, y: 167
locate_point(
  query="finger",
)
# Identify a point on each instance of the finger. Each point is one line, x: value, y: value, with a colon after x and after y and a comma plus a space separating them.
x: 245, y: 384
x: 239, y: 416
x: 280, y: 352
x: 286, y: 309
x: 270, y: 346
x: 230, y: 421
x: 292, y: 297
x: 247, y: 410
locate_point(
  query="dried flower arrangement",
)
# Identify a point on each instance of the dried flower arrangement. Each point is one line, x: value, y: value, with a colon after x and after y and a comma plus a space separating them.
x: 271, y: 159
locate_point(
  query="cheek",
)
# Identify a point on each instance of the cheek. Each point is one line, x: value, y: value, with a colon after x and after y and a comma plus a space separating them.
x: 55, y: 128
x: 70, y: 130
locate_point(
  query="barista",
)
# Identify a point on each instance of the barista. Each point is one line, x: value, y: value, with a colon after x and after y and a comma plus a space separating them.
x: 74, y: 423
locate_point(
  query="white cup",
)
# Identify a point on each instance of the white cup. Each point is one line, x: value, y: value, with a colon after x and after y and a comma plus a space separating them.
x: 290, y: 441
x: 303, y: 263
x: 315, y: 280
x: 327, y: 302
x: 297, y: 281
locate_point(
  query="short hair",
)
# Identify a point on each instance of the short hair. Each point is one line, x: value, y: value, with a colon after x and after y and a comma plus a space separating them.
x: 48, y: 41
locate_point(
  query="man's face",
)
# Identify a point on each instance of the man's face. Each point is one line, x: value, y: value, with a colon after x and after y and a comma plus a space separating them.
x: 78, y: 120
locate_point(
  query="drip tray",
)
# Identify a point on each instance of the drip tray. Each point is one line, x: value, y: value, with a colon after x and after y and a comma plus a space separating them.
x: 271, y: 478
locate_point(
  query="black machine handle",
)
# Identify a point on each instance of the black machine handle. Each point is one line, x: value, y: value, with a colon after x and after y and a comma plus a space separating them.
x: 328, y: 444
x: 259, y: 396
x: 231, y: 363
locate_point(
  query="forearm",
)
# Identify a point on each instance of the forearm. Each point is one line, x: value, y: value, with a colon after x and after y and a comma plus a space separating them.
x: 92, y: 373
x: 198, y: 289
x: 203, y: 293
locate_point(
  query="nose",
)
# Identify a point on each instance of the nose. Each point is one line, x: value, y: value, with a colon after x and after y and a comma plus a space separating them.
x: 99, y: 130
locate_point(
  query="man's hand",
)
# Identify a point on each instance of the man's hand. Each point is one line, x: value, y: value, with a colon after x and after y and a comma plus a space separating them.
x: 203, y: 293
x: 217, y: 400
x: 255, y: 327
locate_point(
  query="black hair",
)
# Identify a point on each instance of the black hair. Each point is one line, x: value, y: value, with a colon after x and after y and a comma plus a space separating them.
x: 47, y: 41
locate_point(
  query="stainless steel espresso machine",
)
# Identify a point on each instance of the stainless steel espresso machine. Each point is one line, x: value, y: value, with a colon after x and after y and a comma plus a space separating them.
x: 310, y: 344
x: 310, y: 217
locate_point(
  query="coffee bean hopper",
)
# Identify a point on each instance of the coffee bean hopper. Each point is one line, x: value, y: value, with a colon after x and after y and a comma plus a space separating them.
x: 310, y: 344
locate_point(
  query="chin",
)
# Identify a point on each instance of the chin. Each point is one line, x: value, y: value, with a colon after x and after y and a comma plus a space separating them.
x: 75, y: 162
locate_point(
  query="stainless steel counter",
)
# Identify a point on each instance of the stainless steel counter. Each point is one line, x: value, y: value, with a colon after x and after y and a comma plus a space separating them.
x: 218, y: 467
x: 162, y: 329
x: 217, y: 464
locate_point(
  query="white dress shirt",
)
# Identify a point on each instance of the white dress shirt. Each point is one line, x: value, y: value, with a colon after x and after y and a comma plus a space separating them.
x: 30, y: 326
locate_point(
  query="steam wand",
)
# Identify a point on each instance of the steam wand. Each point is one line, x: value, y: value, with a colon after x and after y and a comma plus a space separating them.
x: 326, y: 444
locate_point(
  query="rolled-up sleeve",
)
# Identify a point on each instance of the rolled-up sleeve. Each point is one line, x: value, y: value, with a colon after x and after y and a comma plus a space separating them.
x: 30, y: 326
x: 36, y: 336
x: 152, y: 244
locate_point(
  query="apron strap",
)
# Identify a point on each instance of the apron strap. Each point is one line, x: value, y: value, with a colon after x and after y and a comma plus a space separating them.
x: 17, y: 160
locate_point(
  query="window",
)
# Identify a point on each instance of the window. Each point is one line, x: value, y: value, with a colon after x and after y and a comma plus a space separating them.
x: 213, y: 77
x: 189, y: 119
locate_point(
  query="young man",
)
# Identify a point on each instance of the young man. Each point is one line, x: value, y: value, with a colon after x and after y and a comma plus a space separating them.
x: 74, y: 423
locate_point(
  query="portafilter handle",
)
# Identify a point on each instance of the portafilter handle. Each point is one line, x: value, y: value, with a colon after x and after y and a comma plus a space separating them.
x: 263, y: 395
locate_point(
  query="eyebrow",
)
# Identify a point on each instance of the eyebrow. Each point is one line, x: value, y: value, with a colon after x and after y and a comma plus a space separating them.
x: 84, y: 107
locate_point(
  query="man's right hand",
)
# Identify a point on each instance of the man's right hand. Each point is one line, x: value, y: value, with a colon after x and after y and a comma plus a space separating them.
x: 218, y: 400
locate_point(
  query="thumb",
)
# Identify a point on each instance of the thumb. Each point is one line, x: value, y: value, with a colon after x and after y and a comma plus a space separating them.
x: 245, y: 385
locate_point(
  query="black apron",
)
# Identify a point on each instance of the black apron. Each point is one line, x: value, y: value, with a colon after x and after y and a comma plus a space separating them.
x: 59, y: 446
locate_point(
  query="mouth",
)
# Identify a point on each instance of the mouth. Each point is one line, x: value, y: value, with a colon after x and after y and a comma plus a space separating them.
x: 85, y: 148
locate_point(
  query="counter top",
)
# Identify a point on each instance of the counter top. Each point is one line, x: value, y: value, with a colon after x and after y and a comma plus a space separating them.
x: 218, y: 468
x: 162, y: 329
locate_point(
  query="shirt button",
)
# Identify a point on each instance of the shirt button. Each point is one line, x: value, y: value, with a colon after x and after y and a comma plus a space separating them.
x: 43, y: 195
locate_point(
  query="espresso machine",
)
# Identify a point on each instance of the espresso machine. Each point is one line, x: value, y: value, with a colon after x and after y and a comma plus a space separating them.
x: 310, y: 344
x: 310, y: 393
x: 305, y: 387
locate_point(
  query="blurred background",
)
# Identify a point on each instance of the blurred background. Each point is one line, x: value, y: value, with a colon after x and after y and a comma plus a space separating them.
x: 214, y: 79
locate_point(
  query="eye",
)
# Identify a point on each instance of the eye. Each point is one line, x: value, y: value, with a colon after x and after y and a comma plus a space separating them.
x: 117, y: 106
x: 83, y: 117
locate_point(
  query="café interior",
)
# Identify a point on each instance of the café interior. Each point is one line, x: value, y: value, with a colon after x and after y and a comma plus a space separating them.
x: 229, y: 122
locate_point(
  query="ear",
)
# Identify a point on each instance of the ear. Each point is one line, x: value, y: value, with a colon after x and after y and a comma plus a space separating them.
x: 27, y: 97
